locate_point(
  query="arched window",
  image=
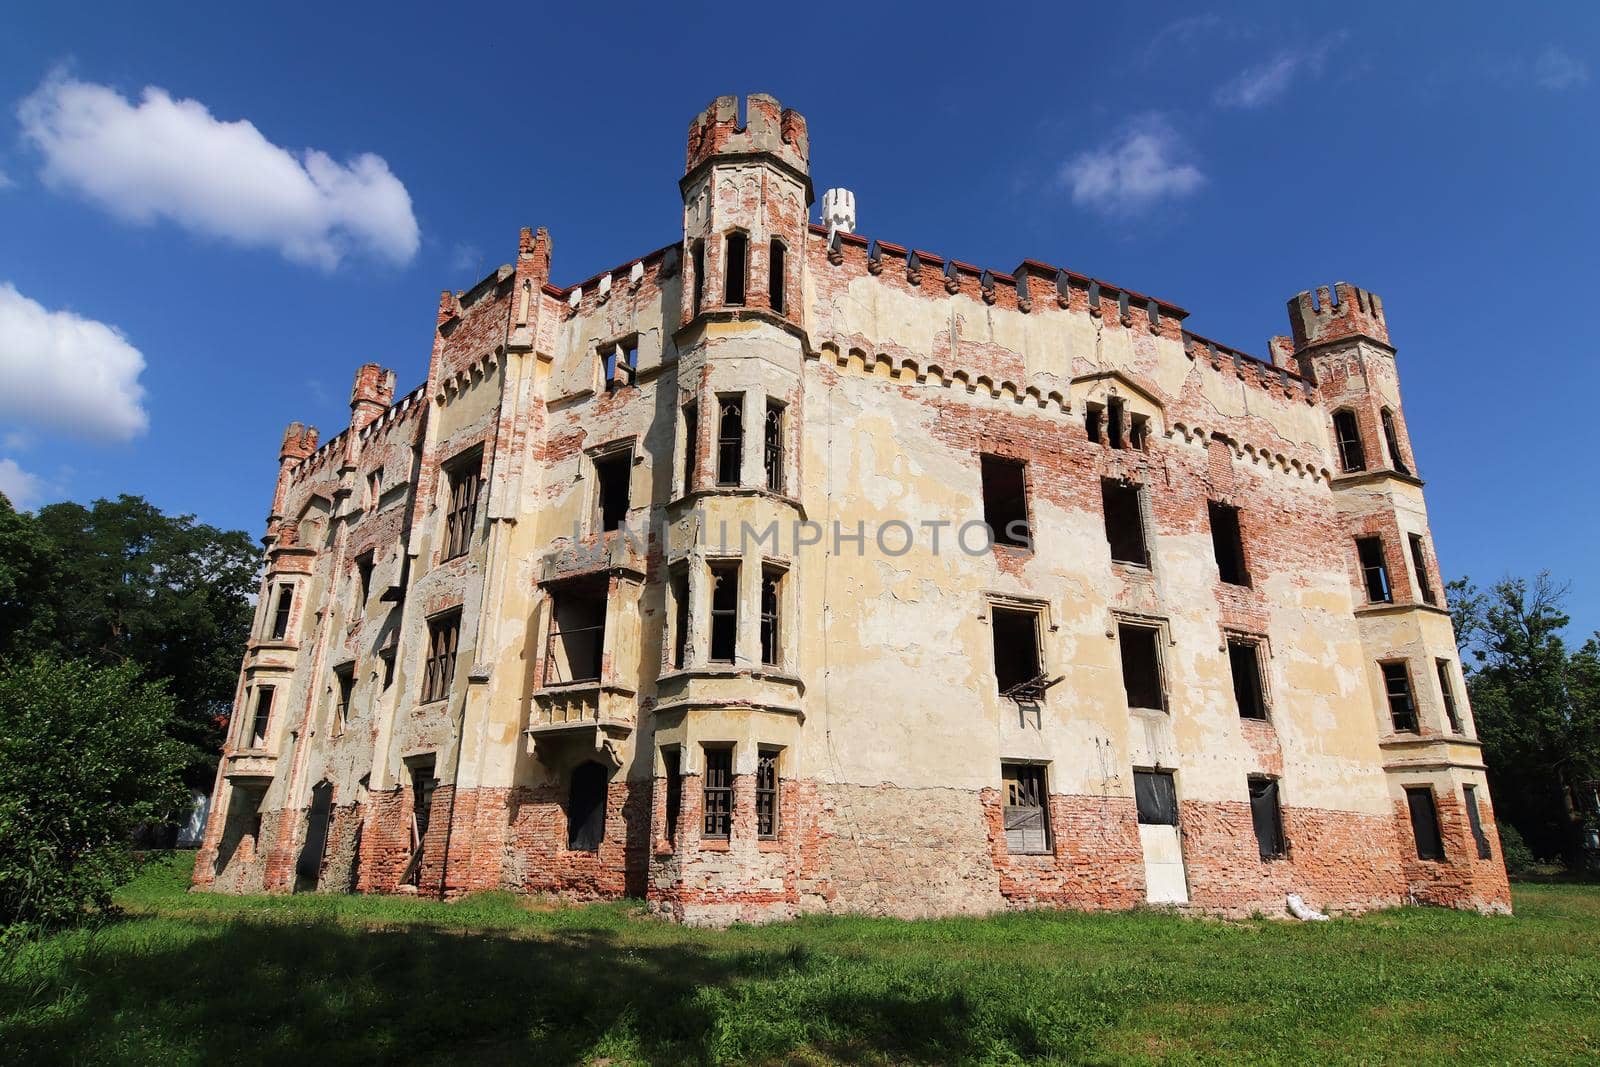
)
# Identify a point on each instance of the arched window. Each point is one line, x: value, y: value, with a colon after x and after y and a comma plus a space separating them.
x: 697, y: 255
x: 734, y: 266
x: 776, y: 275
x: 1391, y: 437
x: 1347, y: 434
x: 586, y: 808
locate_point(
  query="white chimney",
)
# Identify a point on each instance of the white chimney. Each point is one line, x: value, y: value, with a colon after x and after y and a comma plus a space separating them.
x: 839, y: 210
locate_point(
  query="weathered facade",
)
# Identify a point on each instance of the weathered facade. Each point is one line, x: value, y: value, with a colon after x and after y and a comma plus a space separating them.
x: 782, y: 570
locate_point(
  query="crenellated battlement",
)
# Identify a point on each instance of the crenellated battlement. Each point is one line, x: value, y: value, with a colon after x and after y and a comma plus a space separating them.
x: 1344, y: 312
x: 768, y: 129
x: 299, y: 441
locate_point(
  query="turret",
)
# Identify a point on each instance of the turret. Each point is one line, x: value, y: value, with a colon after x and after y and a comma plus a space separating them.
x: 1344, y: 313
x: 371, y: 395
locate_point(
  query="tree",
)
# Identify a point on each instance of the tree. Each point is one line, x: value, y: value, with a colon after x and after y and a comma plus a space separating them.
x: 86, y: 755
x: 1537, y: 707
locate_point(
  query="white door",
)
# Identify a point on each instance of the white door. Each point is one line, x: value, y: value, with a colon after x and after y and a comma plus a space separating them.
x: 1163, y: 865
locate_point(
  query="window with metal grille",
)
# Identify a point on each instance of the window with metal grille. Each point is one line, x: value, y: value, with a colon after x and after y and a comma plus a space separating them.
x: 612, y: 472
x: 1267, y: 816
x: 724, y: 611
x: 1347, y: 434
x: 1419, y: 561
x: 1249, y: 694
x: 1141, y: 666
x: 767, y: 793
x: 730, y: 438
x: 440, y: 669
x: 772, y: 446
x: 1425, y: 823
x: 1124, y: 517
x: 1374, y: 569
x: 672, y: 763
x: 777, y: 276
x: 263, y: 716
x: 691, y: 445
x: 1026, y: 810
x: 586, y: 808
x: 771, y: 630
x: 1155, y: 795
x: 1397, y: 687
x: 1391, y: 437
x: 1475, y: 821
x: 1447, y: 693
x: 463, y: 509
x: 1005, y: 499
x: 344, y: 684
x: 280, y: 612
x: 734, y: 266
x: 1227, y: 543
x: 718, y: 793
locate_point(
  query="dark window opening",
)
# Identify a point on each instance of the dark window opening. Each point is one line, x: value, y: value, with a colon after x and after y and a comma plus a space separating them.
x: 612, y: 473
x: 776, y: 275
x: 1475, y: 820
x: 772, y: 446
x: 1425, y: 823
x: 344, y: 685
x: 1391, y: 437
x: 718, y: 790
x: 767, y: 793
x: 263, y: 717
x: 1138, y: 432
x: 680, y: 618
x: 1016, y: 646
x: 1141, y: 666
x: 423, y: 785
x: 691, y: 445
x: 387, y: 650
x: 1267, y: 815
x: 1249, y: 695
x: 586, y: 808
x: 1005, y: 499
x: 463, y: 510
x: 364, y: 565
x: 1092, y: 414
x: 440, y: 670
x: 1227, y: 542
x: 1155, y: 794
x: 1347, y: 433
x: 1397, y: 687
x: 374, y: 487
x: 1374, y: 569
x: 1447, y: 693
x: 1419, y: 560
x: 733, y: 269
x: 576, y: 645
x: 1114, y: 421
x: 697, y: 254
x: 280, y: 613
x: 1026, y: 812
x: 724, y: 612
x: 319, y: 821
x: 730, y: 439
x: 670, y: 759
x: 771, y: 588
x: 1124, y: 522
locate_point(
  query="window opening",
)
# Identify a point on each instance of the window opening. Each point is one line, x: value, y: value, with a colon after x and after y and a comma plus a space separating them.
x: 718, y: 793
x: 1397, y: 687
x: 1267, y: 816
x: 1026, y: 811
x: 724, y: 611
x: 1249, y: 695
x: 586, y: 808
x: 1005, y: 499
x: 1374, y: 569
x: 1227, y: 542
x: 1124, y: 522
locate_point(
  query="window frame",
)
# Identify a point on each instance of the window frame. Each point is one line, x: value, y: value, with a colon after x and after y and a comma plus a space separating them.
x: 601, y: 463
x: 1349, y: 447
x: 1391, y: 440
x: 672, y: 773
x: 1025, y: 787
x: 1156, y: 774
x: 730, y: 444
x: 717, y: 783
x: 1469, y: 800
x: 735, y: 275
x: 1157, y: 631
x: 464, y: 486
x: 1377, y: 565
x: 1036, y: 612
x: 769, y: 793
x: 280, y: 621
x: 1239, y: 565
x: 439, y: 663
x: 1000, y: 534
x: 732, y: 568
x: 1386, y: 671
x: 1436, y: 844
x: 778, y: 276
x: 773, y: 453
x: 1419, y: 563
x: 691, y: 445
x: 344, y: 688
x: 1121, y: 495
x: 773, y: 576
x: 259, y: 724
x: 1447, y: 695
x: 1261, y: 709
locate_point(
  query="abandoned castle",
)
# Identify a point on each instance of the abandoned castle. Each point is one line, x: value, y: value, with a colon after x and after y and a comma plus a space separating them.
x: 783, y: 570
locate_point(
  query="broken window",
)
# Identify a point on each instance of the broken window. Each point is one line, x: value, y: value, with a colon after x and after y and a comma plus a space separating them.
x: 440, y: 670
x: 1397, y: 687
x: 730, y: 438
x: 423, y: 785
x: 697, y: 255
x: 1447, y: 693
x: 1141, y: 666
x: 691, y: 445
x: 1115, y: 415
x: 1155, y: 794
x: 733, y: 269
x: 1249, y: 694
x: 344, y: 685
x: 1374, y: 569
x: 576, y: 643
x: 772, y: 446
x: 374, y: 487
x: 1267, y: 816
x: 612, y: 472
x: 364, y: 564
x: 1124, y: 522
x: 280, y: 613
x: 671, y: 762
x: 776, y: 275
x: 1425, y: 823
x: 1005, y: 499
x: 464, y: 482
x: 263, y: 716
x: 586, y: 808
x: 1026, y: 810
x: 680, y: 618
x: 1092, y: 416
x: 724, y: 611
x: 387, y: 649
x: 1016, y: 646
x: 767, y: 793
x: 1347, y: 434
x: 718, y: 793
x: 1227, y: 542
x: 1475, y: 821
x: 1392, y: 438
x: 1419, y: 561
x: 1138, y: 432
x: 771, y: 587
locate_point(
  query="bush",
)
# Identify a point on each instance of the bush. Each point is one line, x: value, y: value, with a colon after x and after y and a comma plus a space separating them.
x: 85, y: 757
x: 1519, y: 859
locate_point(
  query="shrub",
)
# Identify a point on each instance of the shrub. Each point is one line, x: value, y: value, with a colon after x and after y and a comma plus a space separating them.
x: 85, y: 757
x: 1519, y: 859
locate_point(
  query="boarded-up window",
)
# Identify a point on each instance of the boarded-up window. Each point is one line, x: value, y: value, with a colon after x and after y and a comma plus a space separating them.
x: 724, y: 611
x: 1124, y: 522
x: 1374, y: 569
x: 586, y: 808
x: 1227, y: 543
x: 463, y: 509
x: 1005, y: 499
x: 1425, y: 823
x: 1347, y: 433
x: 444, y: 631
x: 1026, y: 810
x: 1447, y: 693
x: 734, y: 266
x: 730, y: 438
x: 1475, y: 820
x: 670, y: 759
x: 718, y: 793
x: 1397, y: 688
x: 1156, y: 796
x: 1249, y: 694
x: 1016, y: 646
x: 612, y: 473
x: 1419, y: 561
x: 1391, y: 437
x: 767, y: 793
x: 1267, y: 817
x: 280, y: 612
x: 1141, y: 666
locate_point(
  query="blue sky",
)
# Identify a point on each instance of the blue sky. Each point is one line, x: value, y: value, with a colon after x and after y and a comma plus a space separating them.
x: 175, y: 286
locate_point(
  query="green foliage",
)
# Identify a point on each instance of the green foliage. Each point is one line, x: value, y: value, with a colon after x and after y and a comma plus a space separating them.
x: 85, y: 757
x: 121, y: 582
x: 1514, y: 850
x: 205, y: 978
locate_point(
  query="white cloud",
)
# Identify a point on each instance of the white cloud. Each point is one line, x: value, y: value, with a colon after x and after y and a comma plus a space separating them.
x: 1132, y: 172
x: 16, y: 441
x: 171, y: 159
x: 19, y: 487
x: 1556, y: 70
x: 1265, y: 82
x: 61, y: 370
x: 5, y: 180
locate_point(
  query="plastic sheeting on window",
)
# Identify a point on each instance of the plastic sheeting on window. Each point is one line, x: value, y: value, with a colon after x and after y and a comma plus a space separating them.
x: 1157, y: 797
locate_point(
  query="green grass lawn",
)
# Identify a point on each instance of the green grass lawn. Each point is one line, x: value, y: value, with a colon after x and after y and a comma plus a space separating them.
x: 204, y: 978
